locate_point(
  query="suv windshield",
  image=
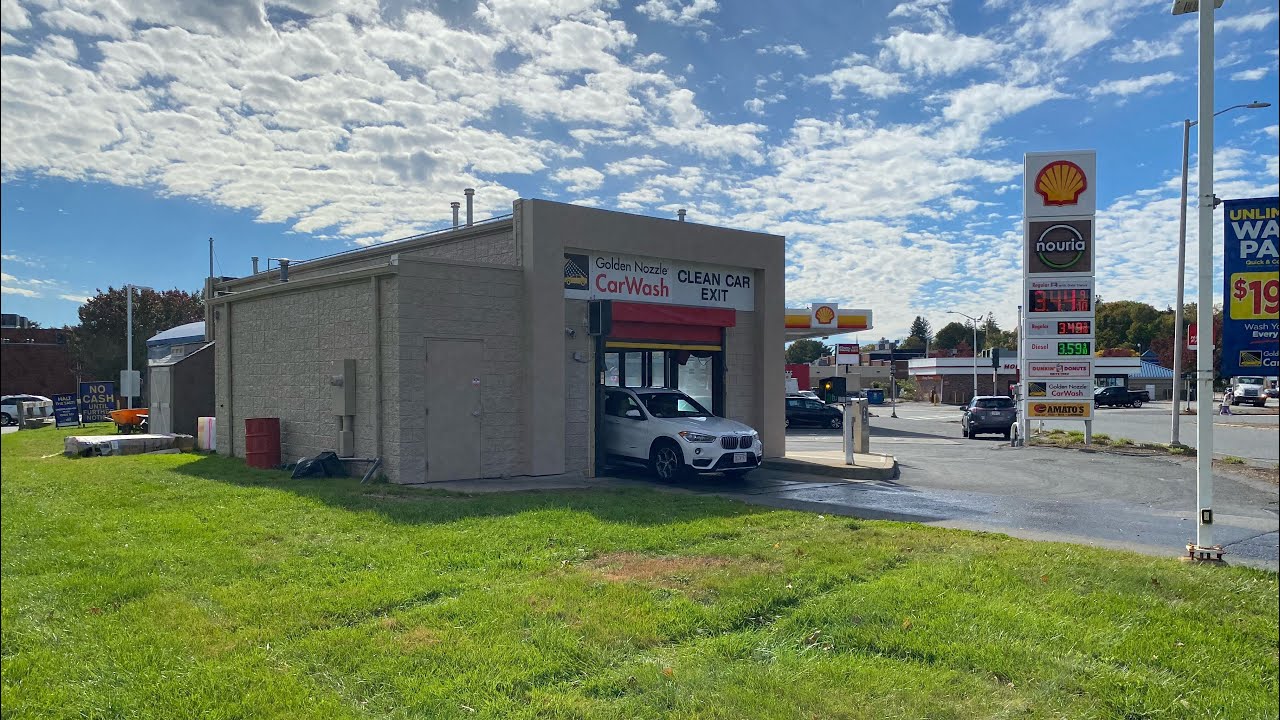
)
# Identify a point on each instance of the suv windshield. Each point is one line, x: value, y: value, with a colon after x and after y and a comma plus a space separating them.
x: 671, y: 405
x: 994, y: 403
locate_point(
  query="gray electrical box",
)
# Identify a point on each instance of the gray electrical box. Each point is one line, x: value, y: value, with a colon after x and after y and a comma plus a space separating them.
x: 343, y: 380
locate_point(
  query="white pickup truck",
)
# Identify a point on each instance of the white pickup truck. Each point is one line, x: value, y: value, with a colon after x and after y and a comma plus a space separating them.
x: 1248, y: 389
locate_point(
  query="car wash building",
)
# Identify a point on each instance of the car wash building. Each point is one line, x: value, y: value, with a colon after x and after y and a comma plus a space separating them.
x: 479, y: 351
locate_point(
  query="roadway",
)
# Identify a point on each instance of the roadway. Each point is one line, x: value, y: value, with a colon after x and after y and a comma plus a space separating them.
x: 1143, y: 503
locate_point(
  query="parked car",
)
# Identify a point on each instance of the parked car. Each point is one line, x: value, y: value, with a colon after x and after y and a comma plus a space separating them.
x: 805, y: 411
x: 9, y: 407
x: 1115, y: 396
x: 991, y: 414
x: 674, y: 435
x: 1248, y: 389
x: 805, y: 394
x: 1273, y: 392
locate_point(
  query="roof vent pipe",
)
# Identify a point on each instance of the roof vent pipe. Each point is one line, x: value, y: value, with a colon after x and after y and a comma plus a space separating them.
x: 255, y: 264
x: 284, y: 269
x: 470, y: 193
x: 455, y: 205
x: 680, y: 214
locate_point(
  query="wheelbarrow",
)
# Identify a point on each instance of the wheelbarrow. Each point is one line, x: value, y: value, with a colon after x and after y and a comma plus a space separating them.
x: 130, y: 420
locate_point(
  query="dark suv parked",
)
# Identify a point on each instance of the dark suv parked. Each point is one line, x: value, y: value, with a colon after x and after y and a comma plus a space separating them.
x: 988, y: 414
x: 803, y: 411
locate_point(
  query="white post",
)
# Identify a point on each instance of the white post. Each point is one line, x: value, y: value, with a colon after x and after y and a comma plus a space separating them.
x: 128, y: 335
x: 1204, y: 311
x: 1178, y: 341
x: 975, y: 358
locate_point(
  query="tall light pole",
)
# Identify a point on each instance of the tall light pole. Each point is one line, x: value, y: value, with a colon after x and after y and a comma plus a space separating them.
x: 1178, y: 340
x: 1203, y: 547
x: 128, y: 342
x: 974, y: 322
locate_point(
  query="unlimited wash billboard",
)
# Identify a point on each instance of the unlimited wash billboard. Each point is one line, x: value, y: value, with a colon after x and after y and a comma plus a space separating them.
x: 1251, y: 292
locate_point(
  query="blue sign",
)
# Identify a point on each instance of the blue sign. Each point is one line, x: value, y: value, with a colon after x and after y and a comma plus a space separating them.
x: 65, y: 410
x: 1251, y: 288
x: 97, y: 400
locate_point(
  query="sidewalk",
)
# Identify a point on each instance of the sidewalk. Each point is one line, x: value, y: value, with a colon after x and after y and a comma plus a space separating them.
x: 870, y: 466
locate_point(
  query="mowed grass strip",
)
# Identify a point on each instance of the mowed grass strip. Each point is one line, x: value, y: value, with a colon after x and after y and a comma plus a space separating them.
x: 182, y: 586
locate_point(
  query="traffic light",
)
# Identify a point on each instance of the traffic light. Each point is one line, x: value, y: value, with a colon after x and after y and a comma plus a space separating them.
x: 995, y: 358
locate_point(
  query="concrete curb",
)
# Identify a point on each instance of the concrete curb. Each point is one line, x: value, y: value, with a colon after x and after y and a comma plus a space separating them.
x: 846, y: 472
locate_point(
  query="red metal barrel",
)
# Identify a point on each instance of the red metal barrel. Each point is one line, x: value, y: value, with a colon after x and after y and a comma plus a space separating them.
x: 262, y: 442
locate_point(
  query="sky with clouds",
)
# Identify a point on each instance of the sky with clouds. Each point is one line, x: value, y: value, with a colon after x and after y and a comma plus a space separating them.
x: 883, y: 139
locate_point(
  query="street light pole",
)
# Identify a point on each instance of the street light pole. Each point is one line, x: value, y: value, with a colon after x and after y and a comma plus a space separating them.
x: 128, y: 342
x: 1178, y: 331
x: 974, y: 322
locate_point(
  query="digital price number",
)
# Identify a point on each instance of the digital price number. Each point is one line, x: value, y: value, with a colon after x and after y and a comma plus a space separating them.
x: 1057, y: 300
x: 1075, y: 327
x: 1074, y: 349
x: 1255, y: 296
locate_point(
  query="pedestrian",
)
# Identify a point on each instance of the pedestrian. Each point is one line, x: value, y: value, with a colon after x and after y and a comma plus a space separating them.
x: 1226, y: 403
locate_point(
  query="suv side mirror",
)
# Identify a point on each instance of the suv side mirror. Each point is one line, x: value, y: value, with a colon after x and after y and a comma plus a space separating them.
x: 633, y: 413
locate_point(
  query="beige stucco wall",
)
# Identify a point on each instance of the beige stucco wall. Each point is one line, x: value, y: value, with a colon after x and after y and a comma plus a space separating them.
x: 579, y: 402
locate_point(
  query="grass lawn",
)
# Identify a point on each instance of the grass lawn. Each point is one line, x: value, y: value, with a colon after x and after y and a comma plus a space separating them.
x: 182, y: 586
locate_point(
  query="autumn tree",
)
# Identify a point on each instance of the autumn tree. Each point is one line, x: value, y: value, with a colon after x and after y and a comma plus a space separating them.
x: 98, y: 344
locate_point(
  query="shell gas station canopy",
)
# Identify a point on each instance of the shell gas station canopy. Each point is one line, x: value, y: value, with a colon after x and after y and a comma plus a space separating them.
x: 823, y: 319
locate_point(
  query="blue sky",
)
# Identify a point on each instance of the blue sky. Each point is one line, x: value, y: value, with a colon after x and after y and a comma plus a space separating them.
x: 883, y: 139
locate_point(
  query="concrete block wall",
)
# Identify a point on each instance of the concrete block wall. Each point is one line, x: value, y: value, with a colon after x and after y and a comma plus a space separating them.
x: 280, y: 348
x: 578, y: 387
x: 471, y: 301
x: 742, y: 387
x: 497, y: 248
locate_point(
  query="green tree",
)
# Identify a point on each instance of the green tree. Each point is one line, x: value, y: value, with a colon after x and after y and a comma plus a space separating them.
x: 912, y: 343
x: 1128, y: 324
x: 803, y: 352
x: 952, y: 334
x: 920, y: 329
x: 98, y: 344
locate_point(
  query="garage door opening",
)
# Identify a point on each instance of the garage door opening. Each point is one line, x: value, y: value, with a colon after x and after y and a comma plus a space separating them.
x: 663, y: 346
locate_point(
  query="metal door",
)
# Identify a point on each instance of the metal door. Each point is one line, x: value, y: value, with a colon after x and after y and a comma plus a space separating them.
x: 453, y: 409
x: 160, y: 414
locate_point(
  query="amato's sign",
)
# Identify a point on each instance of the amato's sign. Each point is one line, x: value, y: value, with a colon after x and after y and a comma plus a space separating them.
x: 1063, y: 410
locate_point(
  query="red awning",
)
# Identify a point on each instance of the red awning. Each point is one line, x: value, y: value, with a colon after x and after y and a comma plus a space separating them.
x: 670, y: 323
x: 673, y: 314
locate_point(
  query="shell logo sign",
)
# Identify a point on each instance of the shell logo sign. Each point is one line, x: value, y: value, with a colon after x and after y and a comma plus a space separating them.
x: 824, y: 315
x: 1061, y: 183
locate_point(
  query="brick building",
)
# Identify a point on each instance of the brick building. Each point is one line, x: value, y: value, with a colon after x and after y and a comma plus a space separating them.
x: 472, y: 347
x: 35, y: 361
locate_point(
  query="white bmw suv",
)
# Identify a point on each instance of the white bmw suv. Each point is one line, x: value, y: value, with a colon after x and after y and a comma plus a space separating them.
x: 675, y: 435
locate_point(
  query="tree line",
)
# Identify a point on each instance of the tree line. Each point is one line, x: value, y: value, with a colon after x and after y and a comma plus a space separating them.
x: 97, y: 345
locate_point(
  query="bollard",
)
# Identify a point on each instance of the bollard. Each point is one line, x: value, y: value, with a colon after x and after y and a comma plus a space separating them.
x: 846, y: 432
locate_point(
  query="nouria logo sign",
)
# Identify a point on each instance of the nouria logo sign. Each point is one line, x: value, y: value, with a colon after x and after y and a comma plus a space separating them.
x: 824, y: 314
x: 1061, y: 182
x: 1060, y: 246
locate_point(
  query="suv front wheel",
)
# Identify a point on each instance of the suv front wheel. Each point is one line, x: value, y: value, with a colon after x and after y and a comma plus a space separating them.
x: 666, y: 460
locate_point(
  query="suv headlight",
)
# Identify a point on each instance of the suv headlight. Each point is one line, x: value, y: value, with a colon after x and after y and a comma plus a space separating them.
x: 696, y: 437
